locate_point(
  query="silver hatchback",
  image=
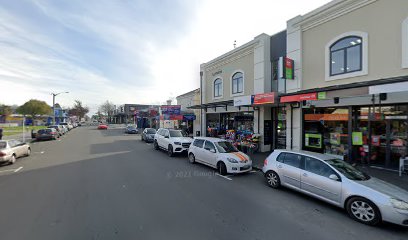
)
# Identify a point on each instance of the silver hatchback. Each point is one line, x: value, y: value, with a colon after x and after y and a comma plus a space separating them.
x: 366, y: 199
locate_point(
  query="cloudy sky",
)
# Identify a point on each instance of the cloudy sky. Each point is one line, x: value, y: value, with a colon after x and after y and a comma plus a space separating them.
x: 125, y: 51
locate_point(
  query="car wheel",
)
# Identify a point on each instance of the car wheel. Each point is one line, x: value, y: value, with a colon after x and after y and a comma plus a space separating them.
x: 156, y: 146
x: 272, y: 179
x: 191, y: 158
x: 12, y: 159
x: 28, y: 152
x: 170, y: 151
x: 221, y: 168
x: 363, y: 210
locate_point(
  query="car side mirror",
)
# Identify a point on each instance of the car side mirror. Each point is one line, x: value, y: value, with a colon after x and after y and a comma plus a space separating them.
x: 334, y: 177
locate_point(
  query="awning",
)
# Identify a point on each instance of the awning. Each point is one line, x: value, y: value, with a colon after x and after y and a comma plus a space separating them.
x: 213, y: 105
x: 299, y: 97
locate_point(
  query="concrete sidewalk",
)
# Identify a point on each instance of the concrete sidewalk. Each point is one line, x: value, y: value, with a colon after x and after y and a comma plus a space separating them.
x: 386, y: 175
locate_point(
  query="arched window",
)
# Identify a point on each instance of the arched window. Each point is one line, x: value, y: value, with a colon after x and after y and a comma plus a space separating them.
x: 218, y: 87
x: 346, y: 55
x: 237, y: 83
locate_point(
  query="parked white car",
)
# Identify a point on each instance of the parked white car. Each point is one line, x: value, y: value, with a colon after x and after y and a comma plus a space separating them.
x: 172, y: 141
x: 10, y: 150
x: 366, y: 199
x: 220, y: 154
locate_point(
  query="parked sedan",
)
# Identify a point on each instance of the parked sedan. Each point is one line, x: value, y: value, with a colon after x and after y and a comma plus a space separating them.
x: 131, y: 129
x: 148, y: 134
x: 103, y: 126
x: 47, y: 134
x: 59, y: 129
x: 10, y: 150
x: 219, y: 154
x: 366, y: 199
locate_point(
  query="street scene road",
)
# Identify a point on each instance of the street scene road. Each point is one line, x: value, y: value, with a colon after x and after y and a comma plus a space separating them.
x: 104, y: 184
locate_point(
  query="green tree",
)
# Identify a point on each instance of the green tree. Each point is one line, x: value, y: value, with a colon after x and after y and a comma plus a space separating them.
x: 5, y: 110
x: 33, y: 108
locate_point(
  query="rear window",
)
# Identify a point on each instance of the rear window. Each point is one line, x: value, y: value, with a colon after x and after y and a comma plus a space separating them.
x: 44, y: 130
x: 198, y: 143
x: 3, y: 145
x: 151, y: 131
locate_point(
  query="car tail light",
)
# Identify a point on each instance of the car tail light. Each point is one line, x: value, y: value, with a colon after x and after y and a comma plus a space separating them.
x: 2, y: 154
x: 265, y: 162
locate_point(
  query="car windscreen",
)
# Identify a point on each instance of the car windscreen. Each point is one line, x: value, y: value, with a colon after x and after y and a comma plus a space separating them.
x: 225, y: 147
x: 347, y: 170
x: 3, y: 145
x: 131, y: 128
x: 175, y: 133
x: 151, y: 131
x: 41, y: 131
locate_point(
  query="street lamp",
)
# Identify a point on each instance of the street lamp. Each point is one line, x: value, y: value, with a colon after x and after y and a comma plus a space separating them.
x: 53, y: 103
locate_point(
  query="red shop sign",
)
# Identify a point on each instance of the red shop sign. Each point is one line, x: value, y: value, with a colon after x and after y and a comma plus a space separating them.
x: 264, y: 98
x: 299, y: 98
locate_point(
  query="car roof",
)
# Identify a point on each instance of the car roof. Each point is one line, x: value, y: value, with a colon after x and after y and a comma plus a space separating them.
x: 212, y: 139
x: 308, y: 153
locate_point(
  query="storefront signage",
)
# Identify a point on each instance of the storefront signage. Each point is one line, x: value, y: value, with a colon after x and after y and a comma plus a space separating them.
x: 189, y: 117
x: 286, y: 68
x: 299, y: 97
x: 217, y: 72
x: 326, y: 117
x: 264, y: 98
x: 357, y: 138
x: 244, y: 101
x: 171, y: 109
x: 176, y: 117
x: 321, y: 95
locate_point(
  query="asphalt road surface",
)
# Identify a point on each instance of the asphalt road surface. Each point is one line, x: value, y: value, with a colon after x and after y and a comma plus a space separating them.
x: 96, y: 184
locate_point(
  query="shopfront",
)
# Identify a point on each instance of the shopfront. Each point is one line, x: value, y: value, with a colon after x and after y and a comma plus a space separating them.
x: 374, y: 134
x: 218, y: 124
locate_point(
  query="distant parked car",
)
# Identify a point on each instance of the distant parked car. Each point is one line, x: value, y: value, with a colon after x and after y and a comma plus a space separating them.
x: 68, y: 125
x: 64, y: 128
x: 131, y: 130
x: 10, y: 150
x: 219, y: 154
x: 47, y: 134
x: 103, y: 126
x: 172, y: 141
x: 59, y: 128
x: 148, y: 134
x: 367, y: 200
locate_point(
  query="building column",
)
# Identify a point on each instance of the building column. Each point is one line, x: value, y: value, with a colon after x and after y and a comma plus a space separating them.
x: 294, y: 131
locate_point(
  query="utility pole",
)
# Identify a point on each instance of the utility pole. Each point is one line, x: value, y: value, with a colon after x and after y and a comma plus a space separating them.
x: 53, y: 104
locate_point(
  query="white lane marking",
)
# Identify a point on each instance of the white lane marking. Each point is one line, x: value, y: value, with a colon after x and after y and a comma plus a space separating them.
x: 18, y: 169
x: 149, y: 144
x: 42, y: 152
x: 253, y: 171
x: 223, y: 177
x: 12, y: 170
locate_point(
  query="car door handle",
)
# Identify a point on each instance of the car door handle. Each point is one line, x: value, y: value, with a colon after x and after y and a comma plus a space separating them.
x: 304, y: 174
x: 279, y: 166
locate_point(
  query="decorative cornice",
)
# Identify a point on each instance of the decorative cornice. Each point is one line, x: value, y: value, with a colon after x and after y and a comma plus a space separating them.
x: 224, y: 61
x: 330, y: 11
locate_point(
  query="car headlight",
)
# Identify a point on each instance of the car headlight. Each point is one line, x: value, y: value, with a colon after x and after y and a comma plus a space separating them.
x: 177, y: 143
x: 231, y: 160
x: 399, y: 204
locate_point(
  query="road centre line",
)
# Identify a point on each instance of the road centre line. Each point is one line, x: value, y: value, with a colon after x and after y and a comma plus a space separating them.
x: 18, y: 169
x: 223, y: 177
x: 11, y: 170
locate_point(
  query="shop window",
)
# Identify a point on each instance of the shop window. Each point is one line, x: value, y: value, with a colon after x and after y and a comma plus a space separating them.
x: 326, y: 131
x: 238, y: 83
x: 218, y: 87
x: 346, y: 56
x: 405, y: 43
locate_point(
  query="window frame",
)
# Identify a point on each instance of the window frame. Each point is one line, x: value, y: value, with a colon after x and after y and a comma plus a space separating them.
x: 206, y: 141
x: 232, y: 93
x: 196, y: 140
x: 221, y: 84
x: 304, y: 163
x: 364, y: 56
x: 344, y: 50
